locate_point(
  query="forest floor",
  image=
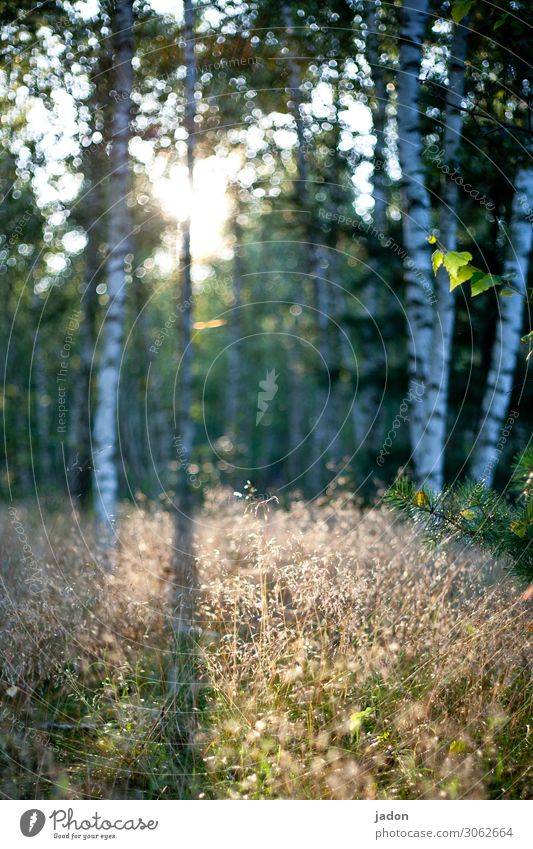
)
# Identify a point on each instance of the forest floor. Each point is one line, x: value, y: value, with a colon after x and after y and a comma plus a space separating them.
x: 333, y: 659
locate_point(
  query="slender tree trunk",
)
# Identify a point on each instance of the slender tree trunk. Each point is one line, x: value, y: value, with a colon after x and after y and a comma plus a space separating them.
x: 43, y: 429
x: 336, y: 345
x: 430, y: 463
x: 416, y: 221
x: 323, y: 432
x: 372, y: 367
x: 79, y: 441
x: 92, y: 212
x: 184, y: 560
x: 185, y: 366
x: 105, y: 421
x: 43, y: 475
x: 379, y: 119
x: 497, y: 397
x: 233, y: 385
x: 296, y: 377
x: 23, y: 463
x: 150, y: 452
x: 322, y: 412
x: 133, y: 432
x: 14, y: 348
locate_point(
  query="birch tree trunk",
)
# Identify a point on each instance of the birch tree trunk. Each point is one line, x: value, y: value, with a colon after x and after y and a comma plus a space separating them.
x: 105, y: 421
x: 497, y: 397
x: 416, y: 218
x: 430, y: 461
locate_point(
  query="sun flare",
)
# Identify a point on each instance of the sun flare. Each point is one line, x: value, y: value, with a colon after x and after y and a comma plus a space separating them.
x: 207, y: 202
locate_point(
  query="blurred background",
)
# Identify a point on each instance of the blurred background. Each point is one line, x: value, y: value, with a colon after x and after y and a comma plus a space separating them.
x: 213, y: 252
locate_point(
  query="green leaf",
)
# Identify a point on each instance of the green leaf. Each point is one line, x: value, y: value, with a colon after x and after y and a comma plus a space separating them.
x: 357, y: 716
x: 482, y: 282
x: 500, y: 21
x: 507, y: 292
x: 457, y: 746
x: 437, y: 258
x: 454, y: 260
x: 464, y: 273
x: 356, y: 720
x: 432, y: 239
x: 460, y: 10
x: 528, y: 337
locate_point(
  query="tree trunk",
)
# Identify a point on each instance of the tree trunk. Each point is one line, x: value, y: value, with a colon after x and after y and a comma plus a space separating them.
x: 184, y: 562
x: 44, y: 467
x: 185, y: 364
x: 321, y: 420
x: 497, y: 397
x: 430, y: 463
x: 379, y: 118
x: 297, y: 408
x: 79, y: 438
x: 105, y: 420
x: 233, y: 385
x: 416, y: 222
x: 372, y: 366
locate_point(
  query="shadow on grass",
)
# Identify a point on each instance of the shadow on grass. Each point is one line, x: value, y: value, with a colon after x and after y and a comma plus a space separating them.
x: 111, y: 734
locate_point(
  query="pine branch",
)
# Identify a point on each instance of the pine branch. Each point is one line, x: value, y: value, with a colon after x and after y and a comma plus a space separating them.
x: 473, y: 513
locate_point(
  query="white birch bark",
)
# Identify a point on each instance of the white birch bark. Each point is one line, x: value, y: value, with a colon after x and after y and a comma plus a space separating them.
x: 497, y: 397
x: 416, y: 218
x: 105, y: 432
x: 430, y: 456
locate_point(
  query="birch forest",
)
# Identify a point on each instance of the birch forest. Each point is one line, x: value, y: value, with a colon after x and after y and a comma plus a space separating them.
x: 266, y: 492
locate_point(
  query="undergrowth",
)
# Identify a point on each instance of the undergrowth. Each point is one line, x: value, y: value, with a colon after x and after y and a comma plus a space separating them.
x: 332, y: 657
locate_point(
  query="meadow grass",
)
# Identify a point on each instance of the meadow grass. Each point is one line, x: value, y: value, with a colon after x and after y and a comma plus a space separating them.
x: 330, y: 657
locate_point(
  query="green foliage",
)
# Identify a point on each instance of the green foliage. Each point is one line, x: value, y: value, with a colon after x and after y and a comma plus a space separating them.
x: 241, y: 83
x: 461, y: 9
x: 522, y: 481
x: 460, y: 269
x: 472, y: 513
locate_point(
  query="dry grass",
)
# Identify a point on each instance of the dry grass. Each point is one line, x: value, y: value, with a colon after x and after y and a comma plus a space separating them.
x: 335, y: 660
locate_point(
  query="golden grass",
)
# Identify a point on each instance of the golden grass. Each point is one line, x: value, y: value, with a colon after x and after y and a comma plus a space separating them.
x: 333, y: 659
